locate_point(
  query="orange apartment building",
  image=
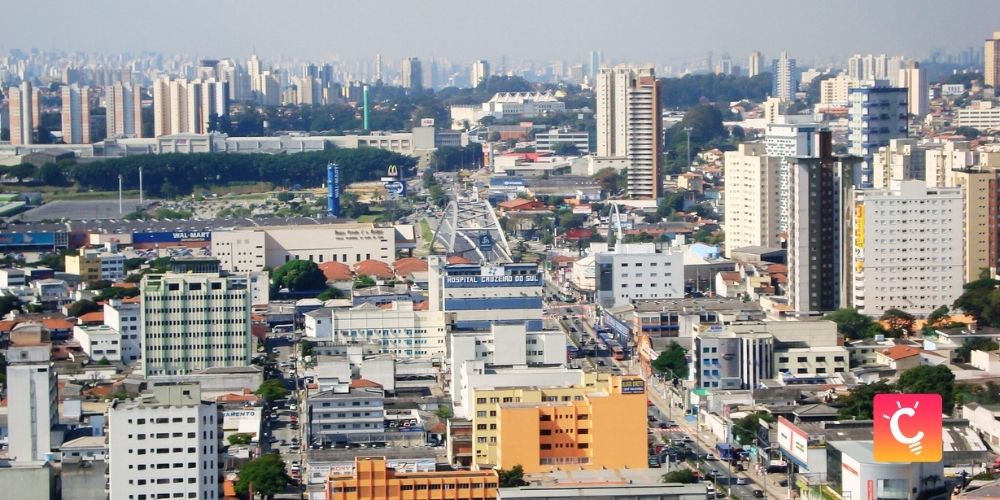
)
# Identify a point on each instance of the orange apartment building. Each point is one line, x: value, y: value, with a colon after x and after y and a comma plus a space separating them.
x: 597, y: 425
x: 373, y: 480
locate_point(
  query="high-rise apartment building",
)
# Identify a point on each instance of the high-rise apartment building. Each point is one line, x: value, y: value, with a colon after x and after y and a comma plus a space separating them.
x: 254, y: 73
x: 31, y: 394
x: 876, y: 115
x: 480, y: 72
x: 164, y: 444
x: 596, y: 60
x: 819, y: 189
x: 752, y: 192
x: 24, y: 114
x: 784, y: 78
x: 411, y: 73
x: 981, y: 219
x: 194, y: 318
x: 914, y: 79
x: 942, y: 160
x: 181, y: 106
x: 124, y: 110
x: 835, y: 91
x: 901, y: 160
x: 786, y: 137
x: 75, y: 114
x: 755, y: 65
x: 629, y: 125
x: 991, y: 61
x: 906, y: 252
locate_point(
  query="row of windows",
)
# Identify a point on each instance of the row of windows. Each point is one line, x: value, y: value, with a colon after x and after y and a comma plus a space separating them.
x: 422, y: 487
x: 199, y: 321
x: 579, y: 446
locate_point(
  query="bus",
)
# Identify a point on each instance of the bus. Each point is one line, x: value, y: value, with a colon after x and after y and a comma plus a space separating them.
x: 617, y: 352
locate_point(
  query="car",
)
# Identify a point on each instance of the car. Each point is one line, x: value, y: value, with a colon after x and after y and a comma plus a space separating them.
x: 710, y: 457
x: 713, y: 473
x: 783, y: 483
x: 275, y: 351
x: 758, y: 493
x: 295, y: 463
x: 742, y: 480
x: 293, y: 448
x: 601, y: 362
x: 662, y: 425
x: 293, y: 407
x: 709, y: 486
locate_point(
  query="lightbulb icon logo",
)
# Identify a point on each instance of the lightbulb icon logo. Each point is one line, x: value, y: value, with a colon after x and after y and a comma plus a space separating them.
x: 908, y: 428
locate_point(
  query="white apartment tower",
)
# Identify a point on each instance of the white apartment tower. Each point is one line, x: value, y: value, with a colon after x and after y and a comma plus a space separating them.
x: 32, y: 409
x: 752, y: 192
x: 991, y: 61
x: 124, y: 110
x: 75, y: 114
x: 480, y: 72
x: 23, y: 108
x: 194, y: 318
x: 904, y: 251
x: 914, y: 79
x: 901, y: 160
x: 755, y: 65
x: 629, y: 125
x: 181, y: 106
x: 164, y: 443
x: 411, y: 73
x: 125, y: 317
x: 784, y: 78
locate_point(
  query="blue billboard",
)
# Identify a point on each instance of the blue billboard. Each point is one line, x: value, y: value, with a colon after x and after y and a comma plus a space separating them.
x: 27, y: 239
x: 171, y: 237
x: 492, y: 281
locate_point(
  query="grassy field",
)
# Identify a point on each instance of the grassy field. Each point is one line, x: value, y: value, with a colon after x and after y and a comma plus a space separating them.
x: 425, y: 230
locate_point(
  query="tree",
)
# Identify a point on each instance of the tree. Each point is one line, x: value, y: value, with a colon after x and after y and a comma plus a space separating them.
x: 266, y: 473
x: 22, y: 171
x: 683, y: 476
x: 239, y: 438
x: 673, y: 360
x: 565, y: 149
x: 512, y: 478
x: 363, y: 281
x: 927, y: 379
x: 900, y: 322
x: 271, y: 390
x: 850, y: 323
x: 51, y: 174
x: 81, y: 307
x: 329, y: 293
x: 9, y: 303
x: 745, y: 429
x: 103, y: 361
x: 969, y: 132
x: 607, y: 178
x: 444, y: 412
x: 981, y: 299
x: 937, y: 316
x: 975, y: 344
x: 859, y: 403
x: 298, y: 276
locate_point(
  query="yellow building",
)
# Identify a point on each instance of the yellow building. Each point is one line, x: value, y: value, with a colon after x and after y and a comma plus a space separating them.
x: 372, y: 479
x: 86, y: 265
x: 599, y: 424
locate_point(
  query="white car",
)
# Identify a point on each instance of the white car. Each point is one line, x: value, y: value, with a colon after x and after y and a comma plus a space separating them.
x: 293, y: 407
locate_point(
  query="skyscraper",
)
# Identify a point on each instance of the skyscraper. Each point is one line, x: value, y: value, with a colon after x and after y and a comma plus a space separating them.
x: 22, y: 102
x: 756, y: 64
x: 124, y: 110
x: 784, y: 77
x: 596, y: 59
x: 182, y: 106
x: 254, y: 72
x: 752, y: 210
x: 629, y: 125
x: 480, y: 72
x: 411, y: 73
x: 876, y: 115
x: 991, y: 61
x: 31, y: 393
x: 819, y: 187
x: 914, y: 79
x: 75, y: 114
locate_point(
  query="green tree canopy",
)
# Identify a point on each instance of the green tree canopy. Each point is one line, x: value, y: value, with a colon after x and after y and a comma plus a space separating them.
x: 267, y: 475
x: 682, y: 476
x: 239, y: 438
x: 927, y: 379
x: 850, y: 323
x: 859, y: 403
x: 444, y: 412
x: 672, y: 360
x: 272, y: 390
x: 900, y: 322
x: 512, y: 478
x: 745, y: 429
x: 938, y: 315
x: 299, y: 276
x: 81, y: 307
x: 964, y: 352
x: 981, y: 299
x: 9, y: 303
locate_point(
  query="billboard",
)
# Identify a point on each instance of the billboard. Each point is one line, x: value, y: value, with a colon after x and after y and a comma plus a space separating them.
x: 633, y: 386
x: 27, y: 239
x: 859, y: 226
x: 171, y: 237
x: 793, y: 441
x: 491, y: 281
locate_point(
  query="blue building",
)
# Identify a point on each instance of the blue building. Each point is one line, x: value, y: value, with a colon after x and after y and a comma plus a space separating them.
x: 480, y: 295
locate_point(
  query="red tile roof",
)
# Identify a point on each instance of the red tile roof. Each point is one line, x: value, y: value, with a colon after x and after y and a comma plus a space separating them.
x: 374, y: 268
x: 362, y: 383
x: 336, y: 271
x: 458, y: 259
x: 57, y: 324
x: 409, y: 265
x: 898, y: 352
x: 92, y: 318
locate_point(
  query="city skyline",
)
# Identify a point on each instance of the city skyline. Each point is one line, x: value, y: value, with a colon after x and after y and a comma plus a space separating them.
x: 663, y: 35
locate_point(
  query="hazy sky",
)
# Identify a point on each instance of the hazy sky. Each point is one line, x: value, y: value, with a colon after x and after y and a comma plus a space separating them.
x: 664, y: 31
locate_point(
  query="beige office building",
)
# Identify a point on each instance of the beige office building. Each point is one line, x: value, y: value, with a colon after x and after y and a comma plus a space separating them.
x: 23, y: 106
x: 751, y: 196
x: 124, y: 110
x: 991, y: 61
x: 75, y: 114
